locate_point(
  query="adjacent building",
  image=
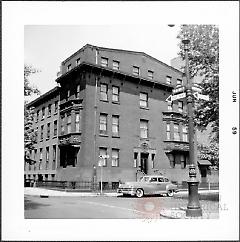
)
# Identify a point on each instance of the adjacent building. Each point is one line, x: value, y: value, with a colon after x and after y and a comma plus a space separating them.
x: 110, y: 109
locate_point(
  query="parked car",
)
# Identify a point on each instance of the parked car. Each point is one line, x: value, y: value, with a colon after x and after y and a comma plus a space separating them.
x: 148, y: 185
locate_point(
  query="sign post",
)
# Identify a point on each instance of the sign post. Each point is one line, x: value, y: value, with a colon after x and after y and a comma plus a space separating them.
x: 100, y: 163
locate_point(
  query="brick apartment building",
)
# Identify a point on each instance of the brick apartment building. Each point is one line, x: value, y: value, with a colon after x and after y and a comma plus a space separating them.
x: 110, y: 103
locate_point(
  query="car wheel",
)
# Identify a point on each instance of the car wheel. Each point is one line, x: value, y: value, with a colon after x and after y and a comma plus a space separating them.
x: 170, y: 193
x: 139, y: 192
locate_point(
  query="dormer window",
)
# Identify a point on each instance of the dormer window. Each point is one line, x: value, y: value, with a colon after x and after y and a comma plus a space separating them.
x: 179, y: 82
x: 150, y: 74
x: 115, y: 65
x: 168, y: 80
x: 136, y: 71
x: 104, y: 61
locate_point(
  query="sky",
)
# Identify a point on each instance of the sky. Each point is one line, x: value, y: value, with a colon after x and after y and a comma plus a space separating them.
x: 46, y: 46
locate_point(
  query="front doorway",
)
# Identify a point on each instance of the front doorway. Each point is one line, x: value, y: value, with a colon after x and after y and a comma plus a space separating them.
x: 144, y: 162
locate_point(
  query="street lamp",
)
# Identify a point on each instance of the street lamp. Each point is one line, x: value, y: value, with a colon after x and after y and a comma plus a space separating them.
x: 193, y: 207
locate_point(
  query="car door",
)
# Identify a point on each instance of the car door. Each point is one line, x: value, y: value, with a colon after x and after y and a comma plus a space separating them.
x: 151, y: 186
x: 162, y: 184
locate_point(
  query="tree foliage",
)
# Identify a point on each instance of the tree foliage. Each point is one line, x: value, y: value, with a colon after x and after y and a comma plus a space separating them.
x: 210, y: 153
x: 30, y: 135
x: 28, y: 88
x: 204, y: 61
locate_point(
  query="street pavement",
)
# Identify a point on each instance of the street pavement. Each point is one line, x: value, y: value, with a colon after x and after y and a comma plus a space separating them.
x: 45, y: 203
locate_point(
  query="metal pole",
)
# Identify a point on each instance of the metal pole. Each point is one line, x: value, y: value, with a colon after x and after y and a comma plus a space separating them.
x: 193, y: 207
x: 101, y: 178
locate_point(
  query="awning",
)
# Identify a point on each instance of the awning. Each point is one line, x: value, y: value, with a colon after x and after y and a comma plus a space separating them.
x: 204, y: 163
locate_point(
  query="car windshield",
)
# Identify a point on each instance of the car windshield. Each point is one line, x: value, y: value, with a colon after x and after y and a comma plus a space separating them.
x: 144, y: 179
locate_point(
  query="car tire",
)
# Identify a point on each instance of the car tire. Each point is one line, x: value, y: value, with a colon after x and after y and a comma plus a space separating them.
x: 139, y: 192
x: 170, y: 193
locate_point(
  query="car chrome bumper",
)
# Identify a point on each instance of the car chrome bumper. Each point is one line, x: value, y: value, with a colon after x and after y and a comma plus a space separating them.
x: 129, y: 191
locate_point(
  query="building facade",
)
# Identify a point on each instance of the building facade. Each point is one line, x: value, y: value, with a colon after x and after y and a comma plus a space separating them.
x: 112, y: 112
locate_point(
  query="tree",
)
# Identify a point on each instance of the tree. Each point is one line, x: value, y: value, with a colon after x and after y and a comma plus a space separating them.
x: 30, y: 135
x: 210, y: 153
x: 28, y: 88
x: 204, y: 61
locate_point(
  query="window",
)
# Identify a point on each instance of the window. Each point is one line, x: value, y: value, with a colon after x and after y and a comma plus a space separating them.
x: 103, y: 92
x: 40, y: 159
x: 176, y: 132
x: 168, y: 80
x: 135, y: 159
x: 115, y: 94
x: 160, y: 179
x: 115, y: 157
x: 48, y: 130
x: 35, y: 158
x: 78, y: 91
x: 54, y: 158
x: 69, y: 124
x: 116, y: 65
x: 115, y: 125
x: 150, y: 74
x: 103, y: 153
x: 180, y: 106
x: 179, y: 82
x: 153, y: 160
x: 143, y: 129
x: 77, y: 122
x: 171, y: 158
x: 183, y: 161
x: 143, y: 100
x: 62, y: 125
x: 56, y: 107
x: 104, y: 61
x: 103, y: 124
x: 41, y: 135
x: 77, y: 61
x: 69, y: 67
x: 170, y: 106
x: 43, y: 112
x: 68, y: 95
x: 37, y: 116
x: 154, y: 179
x: 49, y: 109
x: 185, y: 133
x: 36, y: 133
x: 47, y: 158
x: 168, y: 128
x: 136, y: 71
x: 55, y: 128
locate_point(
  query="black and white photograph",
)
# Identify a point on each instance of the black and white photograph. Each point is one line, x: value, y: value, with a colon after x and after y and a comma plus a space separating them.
x: 128, y: 127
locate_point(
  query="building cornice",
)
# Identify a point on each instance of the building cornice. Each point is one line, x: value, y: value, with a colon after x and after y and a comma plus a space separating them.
x: 139, y: 79
x: 44, y: 96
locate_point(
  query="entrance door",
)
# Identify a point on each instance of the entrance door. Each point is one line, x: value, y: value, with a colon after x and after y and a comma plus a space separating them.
x: 144, y: 162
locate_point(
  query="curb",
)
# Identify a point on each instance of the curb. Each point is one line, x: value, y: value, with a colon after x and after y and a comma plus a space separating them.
x: 72, y: 195
x: 180, y: 213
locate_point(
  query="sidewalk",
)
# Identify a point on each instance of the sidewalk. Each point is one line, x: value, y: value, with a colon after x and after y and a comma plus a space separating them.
x: 210, y: 210
x: 36, y: 191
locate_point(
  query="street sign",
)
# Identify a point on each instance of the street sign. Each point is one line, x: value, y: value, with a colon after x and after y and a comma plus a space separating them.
x: 201, y: 96
x: 178, y: 89
x: 176, y: 97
